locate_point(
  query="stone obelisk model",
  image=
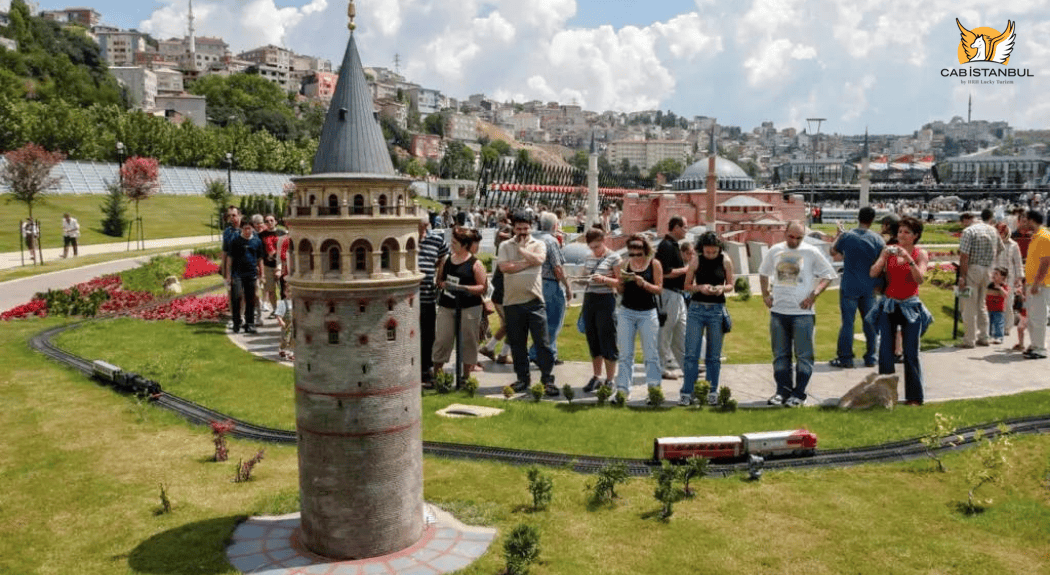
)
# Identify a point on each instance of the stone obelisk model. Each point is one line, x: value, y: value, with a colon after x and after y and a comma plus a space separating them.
x: 354, y: 286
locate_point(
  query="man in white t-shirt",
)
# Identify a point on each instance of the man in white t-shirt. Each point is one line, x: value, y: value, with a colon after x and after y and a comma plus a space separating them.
x: 793, y: 274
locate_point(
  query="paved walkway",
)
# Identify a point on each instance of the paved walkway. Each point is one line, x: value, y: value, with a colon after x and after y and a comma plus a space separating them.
x: 949, y: 373
x: 18, y: 292
x: 270, y: 545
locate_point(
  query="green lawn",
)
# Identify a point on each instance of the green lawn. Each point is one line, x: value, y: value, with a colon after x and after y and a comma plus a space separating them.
x: 931, y: 234
x: 81, y: 469
x: 163, y: 216
x: 749, y: 340
x: 200, y: 363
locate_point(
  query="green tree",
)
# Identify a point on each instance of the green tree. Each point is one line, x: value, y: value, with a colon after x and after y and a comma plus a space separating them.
x: 219, y: 194
x: 671, y: 168
x: 435, y: 123
x: 114, y: 208
x: 580, y: 160
x: 27, y: 173
x: 458, y: 162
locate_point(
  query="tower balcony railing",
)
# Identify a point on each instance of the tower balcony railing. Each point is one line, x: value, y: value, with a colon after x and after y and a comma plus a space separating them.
x: 326, y: 211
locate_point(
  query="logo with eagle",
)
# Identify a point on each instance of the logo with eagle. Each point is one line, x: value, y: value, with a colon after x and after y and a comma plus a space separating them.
x: 985, y: 44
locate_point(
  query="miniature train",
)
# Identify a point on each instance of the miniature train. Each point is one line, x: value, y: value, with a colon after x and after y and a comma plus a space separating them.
x: 124, y: 381
x: 766, y: 443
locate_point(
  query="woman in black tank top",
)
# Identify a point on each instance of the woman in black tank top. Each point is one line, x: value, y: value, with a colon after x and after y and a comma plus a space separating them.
x: 462, y: 278
x: 709, y: 277
x: 640, y: 284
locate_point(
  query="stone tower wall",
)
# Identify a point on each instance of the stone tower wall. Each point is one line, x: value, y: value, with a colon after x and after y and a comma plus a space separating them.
x: 358, y: 406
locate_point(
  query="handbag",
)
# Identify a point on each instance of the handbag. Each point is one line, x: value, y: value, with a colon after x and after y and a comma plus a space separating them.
x: 727, y: 320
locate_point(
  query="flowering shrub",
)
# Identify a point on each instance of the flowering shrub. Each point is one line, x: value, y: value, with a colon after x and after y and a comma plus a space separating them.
x: 199, y: 266
x: 37, y: 307
x: 219, y: 430
x: 190, y: 309
x: 244, y: 468
x: 106, y: 295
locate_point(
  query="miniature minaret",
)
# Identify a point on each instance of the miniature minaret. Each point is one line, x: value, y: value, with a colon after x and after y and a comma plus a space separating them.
x: 712, y: 184
x: 865, y: 173
x: 354, y: 284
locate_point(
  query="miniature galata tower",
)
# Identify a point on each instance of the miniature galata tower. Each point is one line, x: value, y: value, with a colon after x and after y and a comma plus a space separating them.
x: 354, y: 286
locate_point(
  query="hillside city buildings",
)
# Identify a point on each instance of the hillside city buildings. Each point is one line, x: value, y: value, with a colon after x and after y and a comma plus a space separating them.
x: 155, y: 72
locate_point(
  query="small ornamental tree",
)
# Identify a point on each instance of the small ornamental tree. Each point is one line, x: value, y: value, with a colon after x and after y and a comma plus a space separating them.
x: 28, y: 173
x: 138, y: 179
x: 217, y: 192
x: 113, y: 209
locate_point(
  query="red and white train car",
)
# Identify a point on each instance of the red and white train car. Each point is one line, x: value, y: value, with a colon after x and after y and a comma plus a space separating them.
x: 792, y: 442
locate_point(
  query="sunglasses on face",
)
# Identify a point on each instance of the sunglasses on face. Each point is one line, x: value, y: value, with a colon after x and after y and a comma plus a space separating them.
x: 636, y: 254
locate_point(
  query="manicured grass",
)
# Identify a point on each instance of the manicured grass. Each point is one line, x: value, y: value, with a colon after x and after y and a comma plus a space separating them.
x: 82, y: 468
x: 163, y: 216
x: 197, y: 362
x: 931, y: 234
x: 200, y: 363
x: 749, y: 341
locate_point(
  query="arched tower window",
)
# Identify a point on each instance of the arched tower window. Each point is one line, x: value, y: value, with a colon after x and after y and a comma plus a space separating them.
x: 306, y: 257
x: 359, y: 204
x: 333, y: 201
x: 330, y: 254
x: 362, y: 254
x: 382, y: 204
x: 388, y: 256
x: 412, y: 256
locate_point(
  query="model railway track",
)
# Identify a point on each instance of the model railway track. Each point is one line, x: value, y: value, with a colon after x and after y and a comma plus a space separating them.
x: 884, y: 453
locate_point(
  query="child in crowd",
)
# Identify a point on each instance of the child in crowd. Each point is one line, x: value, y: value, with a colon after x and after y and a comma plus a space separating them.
x: 688, y: 252
x: 284, y: 319
x: 996, y: 302
x: 1021, y: 318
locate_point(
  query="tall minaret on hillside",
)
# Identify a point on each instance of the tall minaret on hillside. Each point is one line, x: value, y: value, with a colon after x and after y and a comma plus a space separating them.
x: 354, y: 287
x: 191, y: 41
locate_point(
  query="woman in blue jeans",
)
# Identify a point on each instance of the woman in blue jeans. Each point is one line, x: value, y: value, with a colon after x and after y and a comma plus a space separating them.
x: 709, y: 277
x: 640, y: 284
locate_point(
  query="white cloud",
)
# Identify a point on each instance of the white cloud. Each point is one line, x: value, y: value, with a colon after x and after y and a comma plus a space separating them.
x: 769, y: 63
x: 687, y: 36
x: 855, y: 97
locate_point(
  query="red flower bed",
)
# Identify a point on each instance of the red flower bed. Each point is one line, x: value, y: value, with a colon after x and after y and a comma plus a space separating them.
x: 199, y: 266
x: 37, y: 307
x: 190, y: 309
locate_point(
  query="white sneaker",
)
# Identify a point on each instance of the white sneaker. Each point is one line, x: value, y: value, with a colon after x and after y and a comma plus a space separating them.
x: 712, y: 398
x: 794, y: 402
x: 685, y: 400
x: 776, y: 400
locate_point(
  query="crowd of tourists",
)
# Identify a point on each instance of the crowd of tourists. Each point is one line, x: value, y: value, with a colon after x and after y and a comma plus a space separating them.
x: 672, y: 299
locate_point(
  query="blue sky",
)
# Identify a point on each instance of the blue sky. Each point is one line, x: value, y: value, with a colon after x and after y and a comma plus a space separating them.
x: 859, y: 63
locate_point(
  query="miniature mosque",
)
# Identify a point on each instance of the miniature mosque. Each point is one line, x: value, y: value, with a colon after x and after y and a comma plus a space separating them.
x: 742, y: 212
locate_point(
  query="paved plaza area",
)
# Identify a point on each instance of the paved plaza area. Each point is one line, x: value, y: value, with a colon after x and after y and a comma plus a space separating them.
x: 270, y: 545
x: 949, y: 373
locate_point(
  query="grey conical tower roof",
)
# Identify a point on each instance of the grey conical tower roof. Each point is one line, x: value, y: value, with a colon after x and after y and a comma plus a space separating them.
x: 352, y: 140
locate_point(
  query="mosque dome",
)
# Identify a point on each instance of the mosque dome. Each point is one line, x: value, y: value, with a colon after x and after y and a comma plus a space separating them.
x: 729, y: 176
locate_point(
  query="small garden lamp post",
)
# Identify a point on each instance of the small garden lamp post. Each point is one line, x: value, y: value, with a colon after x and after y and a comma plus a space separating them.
x: 229, y: 171
x: 120, y: 160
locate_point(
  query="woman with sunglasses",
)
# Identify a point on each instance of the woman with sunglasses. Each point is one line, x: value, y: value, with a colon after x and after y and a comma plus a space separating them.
x: 640, y: 284
x: 709, y: 277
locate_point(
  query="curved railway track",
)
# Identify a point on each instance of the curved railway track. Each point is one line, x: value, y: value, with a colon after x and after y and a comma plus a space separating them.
x: 883, y: 453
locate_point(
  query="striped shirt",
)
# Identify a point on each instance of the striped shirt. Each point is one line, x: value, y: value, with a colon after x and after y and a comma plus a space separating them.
x: 431, y: 249
x: 601, y: 266
x: 554, y: 256
x: 982, y: 243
